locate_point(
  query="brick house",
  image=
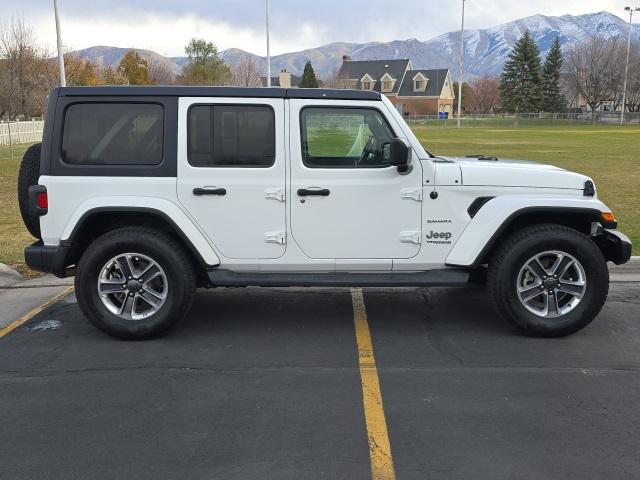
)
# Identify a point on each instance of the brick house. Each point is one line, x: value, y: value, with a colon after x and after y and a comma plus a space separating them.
x: 413, y: 92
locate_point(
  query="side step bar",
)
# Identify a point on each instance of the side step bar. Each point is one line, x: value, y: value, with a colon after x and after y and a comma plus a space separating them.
x: 430, y: 278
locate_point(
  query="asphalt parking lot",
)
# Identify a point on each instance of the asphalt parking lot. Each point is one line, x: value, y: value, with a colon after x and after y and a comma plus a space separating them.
x: 265, y: 383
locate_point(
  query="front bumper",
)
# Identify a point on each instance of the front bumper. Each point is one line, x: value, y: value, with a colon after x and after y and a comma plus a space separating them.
x: 615, y: 246
x: 47, y: 258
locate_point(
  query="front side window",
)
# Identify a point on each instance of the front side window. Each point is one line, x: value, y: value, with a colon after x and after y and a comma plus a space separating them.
x: 113, y: 134
x: 344, y: 138
x: 232, y: 136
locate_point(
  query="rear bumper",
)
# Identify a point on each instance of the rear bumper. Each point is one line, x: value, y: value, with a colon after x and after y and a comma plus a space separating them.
x: 47, y: 258
x: 615, y: 246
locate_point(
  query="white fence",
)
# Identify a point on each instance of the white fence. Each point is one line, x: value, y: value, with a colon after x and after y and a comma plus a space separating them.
x: 14, y: 133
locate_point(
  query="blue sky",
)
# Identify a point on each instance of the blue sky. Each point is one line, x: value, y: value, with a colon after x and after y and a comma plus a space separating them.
x: 166, y: 25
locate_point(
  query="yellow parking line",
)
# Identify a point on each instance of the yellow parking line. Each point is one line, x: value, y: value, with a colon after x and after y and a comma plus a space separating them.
x: 379, y: 446
x: 28, y: 316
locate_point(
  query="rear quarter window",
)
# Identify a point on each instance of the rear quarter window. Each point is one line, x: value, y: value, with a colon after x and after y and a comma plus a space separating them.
x: 113, y: 134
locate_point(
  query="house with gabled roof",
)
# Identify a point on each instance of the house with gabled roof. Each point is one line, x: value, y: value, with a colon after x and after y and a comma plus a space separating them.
x: 413, y: 92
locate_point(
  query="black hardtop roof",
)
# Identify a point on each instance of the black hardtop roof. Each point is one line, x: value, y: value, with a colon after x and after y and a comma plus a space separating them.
x: 236, y: 92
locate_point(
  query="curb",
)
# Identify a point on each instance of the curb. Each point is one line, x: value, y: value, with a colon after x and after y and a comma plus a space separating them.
x: 631, y: 267
x: 9, y: 276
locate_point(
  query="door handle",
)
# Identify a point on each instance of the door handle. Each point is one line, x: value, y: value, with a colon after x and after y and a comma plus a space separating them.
x: 209, y: 191
x: 314, y: 192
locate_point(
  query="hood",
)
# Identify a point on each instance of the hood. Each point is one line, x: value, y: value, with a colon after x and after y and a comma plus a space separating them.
x: 516, y: 173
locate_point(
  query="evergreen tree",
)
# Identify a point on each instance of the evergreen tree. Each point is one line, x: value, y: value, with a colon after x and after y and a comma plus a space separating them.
x: 520, y: 82
x: 552, y: 98
x: 308, y: 79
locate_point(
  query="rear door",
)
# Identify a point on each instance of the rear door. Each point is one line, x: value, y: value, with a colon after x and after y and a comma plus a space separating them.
x: 231, y: 173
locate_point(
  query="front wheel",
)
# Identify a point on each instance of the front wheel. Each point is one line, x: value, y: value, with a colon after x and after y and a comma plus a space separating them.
x: 548, y: 280
x: 134, y: 283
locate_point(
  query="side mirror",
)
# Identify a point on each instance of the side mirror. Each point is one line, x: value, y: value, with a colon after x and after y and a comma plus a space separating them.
x: 400, y: 155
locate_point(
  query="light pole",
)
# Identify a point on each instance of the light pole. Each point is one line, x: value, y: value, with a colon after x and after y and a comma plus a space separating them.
x: 461, y: 64
x: 63, y: 80
x: 626, y: 68
x: 268, y: 47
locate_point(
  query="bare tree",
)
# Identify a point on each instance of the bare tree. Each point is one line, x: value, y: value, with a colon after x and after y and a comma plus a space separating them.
x: 633, y: 86
x: 245, y: 74
x: 570, y: 90
x: 338, y: 81
x: 6, y: 88
x: 8, y: 77
x: 161, y: 70
x: 595, y: 68
x: 484, y: 94
x: 333, y: 80
x: 22, y: 59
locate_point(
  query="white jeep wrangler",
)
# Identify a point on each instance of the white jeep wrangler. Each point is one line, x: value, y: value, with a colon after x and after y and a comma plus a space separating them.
x: 147, y: 193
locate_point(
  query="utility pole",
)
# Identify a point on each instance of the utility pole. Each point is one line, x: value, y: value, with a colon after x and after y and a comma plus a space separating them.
x: 461, y: 64
x: 63, y: 80
x: 268, y: 47
x: 626, y: 68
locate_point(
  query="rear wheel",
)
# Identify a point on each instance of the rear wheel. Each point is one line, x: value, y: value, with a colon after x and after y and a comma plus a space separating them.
x: 548, y: 280
x: 135, y: 283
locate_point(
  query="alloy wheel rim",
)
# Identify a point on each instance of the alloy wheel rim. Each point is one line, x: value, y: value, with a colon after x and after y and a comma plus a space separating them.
x: 132, y: 286
x: 551, y: 284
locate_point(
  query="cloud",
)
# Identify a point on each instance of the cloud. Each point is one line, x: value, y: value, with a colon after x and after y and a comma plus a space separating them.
x: 161, y: 33
x: 169, y: 34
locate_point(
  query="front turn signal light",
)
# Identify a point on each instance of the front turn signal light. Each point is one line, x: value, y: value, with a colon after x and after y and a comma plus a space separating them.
x: 607, y: 217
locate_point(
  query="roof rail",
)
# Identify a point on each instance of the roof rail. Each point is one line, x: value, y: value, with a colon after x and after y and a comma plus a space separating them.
x: 236, y: 92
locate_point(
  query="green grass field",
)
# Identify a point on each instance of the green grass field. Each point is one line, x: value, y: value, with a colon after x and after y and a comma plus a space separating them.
x: 608, y: 154
x: 13, y: 236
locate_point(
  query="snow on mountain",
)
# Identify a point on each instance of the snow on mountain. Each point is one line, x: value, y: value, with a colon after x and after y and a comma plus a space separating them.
x: 485, y: 49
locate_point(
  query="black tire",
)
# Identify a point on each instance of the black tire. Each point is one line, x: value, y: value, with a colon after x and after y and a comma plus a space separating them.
x: 512, y: 254
x: 166, y: 252
x: 28, y: 176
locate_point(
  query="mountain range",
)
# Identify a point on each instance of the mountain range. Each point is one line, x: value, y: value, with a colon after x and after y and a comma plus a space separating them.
x: 485, y: 49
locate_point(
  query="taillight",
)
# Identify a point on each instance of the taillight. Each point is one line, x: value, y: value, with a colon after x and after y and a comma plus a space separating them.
x: 38, y: 200
x: 42, y: 200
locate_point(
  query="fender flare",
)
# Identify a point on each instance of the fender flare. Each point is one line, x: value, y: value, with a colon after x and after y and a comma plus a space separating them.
x: 191, y: 236
x: 485, y: 229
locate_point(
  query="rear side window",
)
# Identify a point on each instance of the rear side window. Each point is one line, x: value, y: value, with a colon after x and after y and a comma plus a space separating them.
x: 232, y: 136
x: 113, y: 134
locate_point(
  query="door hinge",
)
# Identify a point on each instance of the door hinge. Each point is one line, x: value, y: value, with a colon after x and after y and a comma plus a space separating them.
x: 412, y: 193
x: 411, y: 237
x: 275, y: 237
x: 275, y: 194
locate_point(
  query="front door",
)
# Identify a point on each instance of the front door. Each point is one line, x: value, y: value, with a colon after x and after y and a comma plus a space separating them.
x: 347, y: 202
x: 231, y: 173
